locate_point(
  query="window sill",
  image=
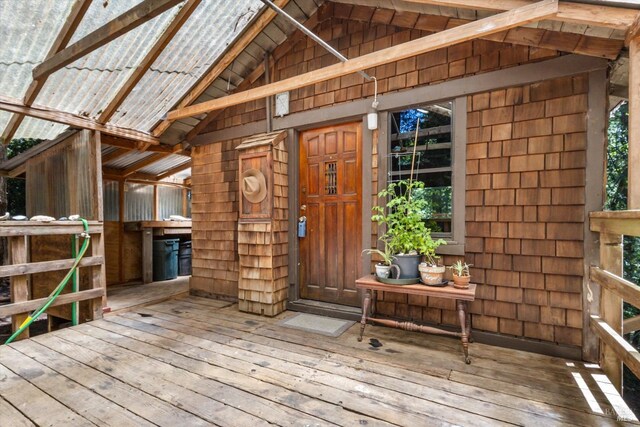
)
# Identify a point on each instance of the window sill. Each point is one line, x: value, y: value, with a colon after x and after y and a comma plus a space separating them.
x: 451, y: 248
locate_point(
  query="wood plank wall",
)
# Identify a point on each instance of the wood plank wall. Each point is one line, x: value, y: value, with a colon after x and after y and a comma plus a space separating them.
x: 525, y: 176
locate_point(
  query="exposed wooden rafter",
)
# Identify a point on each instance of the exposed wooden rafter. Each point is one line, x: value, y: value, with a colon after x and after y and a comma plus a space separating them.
x: 133, y: 18
x: 236, y: 49
x: 470, y: 31
x: 118, y: 152
x: 76, y: 14
x: 586, y: 14
x: 116, y: 175
x: 16, y: 106
x: 143, y: 163
x: 212, y: 115
x: 162, y: 42
x: 174, y: 171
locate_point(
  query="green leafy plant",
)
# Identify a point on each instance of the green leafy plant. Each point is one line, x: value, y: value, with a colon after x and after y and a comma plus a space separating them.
x: 403, y: 215
x: 460, y: 269
x: 386, y: 254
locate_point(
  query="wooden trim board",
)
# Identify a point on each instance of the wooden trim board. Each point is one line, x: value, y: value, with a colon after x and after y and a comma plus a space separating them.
x: 470, y: 31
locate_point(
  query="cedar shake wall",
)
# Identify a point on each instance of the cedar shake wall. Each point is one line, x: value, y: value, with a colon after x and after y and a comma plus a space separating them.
x: 354, y: 38
x: 525, y: 208
x: 214, y: 214
x: 525, y: 170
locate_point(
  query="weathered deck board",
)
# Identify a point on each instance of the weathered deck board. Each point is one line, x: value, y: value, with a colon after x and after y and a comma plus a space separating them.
x: 145, y: 405
x: 35, y: 404
x: 512, y: 387
x: 440, y: 389
x: 127, y: 297
x: 193, y: 361
x: 85, y: 402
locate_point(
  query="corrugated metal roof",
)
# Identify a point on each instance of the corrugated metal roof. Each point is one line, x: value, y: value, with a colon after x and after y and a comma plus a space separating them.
x: 168, y: 163
x: 198, y: 44
x: 128, y: 159
x: 27, y: 31
x: 87, y: 85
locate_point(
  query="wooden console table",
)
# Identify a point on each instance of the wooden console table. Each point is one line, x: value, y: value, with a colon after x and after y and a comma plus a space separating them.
x: 370, y: 285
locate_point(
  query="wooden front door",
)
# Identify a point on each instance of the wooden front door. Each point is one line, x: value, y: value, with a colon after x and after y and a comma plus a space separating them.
x: 330, y: 195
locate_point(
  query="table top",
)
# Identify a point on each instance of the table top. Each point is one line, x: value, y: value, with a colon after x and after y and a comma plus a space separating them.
x: 370, y: 282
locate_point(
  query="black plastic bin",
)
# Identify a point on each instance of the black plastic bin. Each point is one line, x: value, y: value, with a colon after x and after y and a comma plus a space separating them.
x: 165, y: 259
x: 184, y: 259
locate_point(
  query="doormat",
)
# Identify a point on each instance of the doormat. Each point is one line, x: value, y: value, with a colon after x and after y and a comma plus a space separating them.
x: 317, y: 324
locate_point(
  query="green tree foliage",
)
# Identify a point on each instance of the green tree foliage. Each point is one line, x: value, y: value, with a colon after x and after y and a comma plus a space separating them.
x: 617, y: 167
x: 16, y: 200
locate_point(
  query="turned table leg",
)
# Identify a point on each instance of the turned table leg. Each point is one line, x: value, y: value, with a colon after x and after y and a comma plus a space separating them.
x: 365, y: 312
x: 462, y: 313
x: 468, y: 322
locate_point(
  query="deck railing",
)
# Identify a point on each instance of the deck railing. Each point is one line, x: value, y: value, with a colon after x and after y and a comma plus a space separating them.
x: 18, y: 236
x: 615, y: 350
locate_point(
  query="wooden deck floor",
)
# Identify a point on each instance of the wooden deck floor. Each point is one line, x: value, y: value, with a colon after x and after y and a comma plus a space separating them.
x: 194, y: 361
x: 127, y: 297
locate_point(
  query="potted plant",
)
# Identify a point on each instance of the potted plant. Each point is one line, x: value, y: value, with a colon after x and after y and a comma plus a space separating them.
x: 406, y: 235
x: 383, y: 268
x: 461, y: 276
x: 431, y: 272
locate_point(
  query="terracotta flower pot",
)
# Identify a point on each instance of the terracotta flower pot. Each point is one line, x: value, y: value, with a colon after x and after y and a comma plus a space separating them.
x: 461, y: 282
x: 431, y: 275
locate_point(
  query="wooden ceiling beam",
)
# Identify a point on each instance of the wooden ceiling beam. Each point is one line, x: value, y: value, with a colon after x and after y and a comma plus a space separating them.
x: 586, y: 14
x: 116, y: 175
x: 143, y: 163
x: 470, y: 31
x: 250, y: 33
x: 133, y: 18
x: 162, y: 42
x: 15, y: 106
x: 212, y: 115
x: 174, y: 171
x: 278, y: 53
x: 72, y: 22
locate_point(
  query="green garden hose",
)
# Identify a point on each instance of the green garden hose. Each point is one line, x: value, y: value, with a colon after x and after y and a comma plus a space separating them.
x: 52, y: 297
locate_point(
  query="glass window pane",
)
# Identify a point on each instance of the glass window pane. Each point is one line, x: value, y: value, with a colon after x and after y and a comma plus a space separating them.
x: 433, y: 161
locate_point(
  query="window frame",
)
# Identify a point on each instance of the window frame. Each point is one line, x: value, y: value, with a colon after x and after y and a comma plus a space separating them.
x: 455, y: 242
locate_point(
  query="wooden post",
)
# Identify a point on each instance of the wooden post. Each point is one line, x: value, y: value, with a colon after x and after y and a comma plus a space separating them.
x: 634, y: 124
x: 99, y: 275
x: 121, y: 228
x: 18, y: 248
x: 611, y: 305
x: 156, y: 204
x: 147, y: 255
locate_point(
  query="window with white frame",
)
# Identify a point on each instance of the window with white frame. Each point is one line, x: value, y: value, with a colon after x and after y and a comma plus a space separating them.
x: 437, y: 160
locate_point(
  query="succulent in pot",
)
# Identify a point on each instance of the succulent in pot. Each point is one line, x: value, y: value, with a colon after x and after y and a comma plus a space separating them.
x: 406, y: 234
x: 461, y: 275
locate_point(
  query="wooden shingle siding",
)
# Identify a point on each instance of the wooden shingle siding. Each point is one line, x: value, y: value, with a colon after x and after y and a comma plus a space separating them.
x: 525, y: 167
x: 214, y: 212
x: 532, y: 278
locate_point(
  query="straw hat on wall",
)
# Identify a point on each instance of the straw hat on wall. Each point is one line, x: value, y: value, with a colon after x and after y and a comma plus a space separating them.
x: 253, y: 185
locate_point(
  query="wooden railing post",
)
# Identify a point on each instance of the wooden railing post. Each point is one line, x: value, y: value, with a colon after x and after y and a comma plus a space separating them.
x: 18, y: 248
x: 611, y: 305
x: 633, y: 41
x: 99, y: 276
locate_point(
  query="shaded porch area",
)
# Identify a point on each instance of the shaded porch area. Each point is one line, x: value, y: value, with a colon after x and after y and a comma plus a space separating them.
x: 196, y: 361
